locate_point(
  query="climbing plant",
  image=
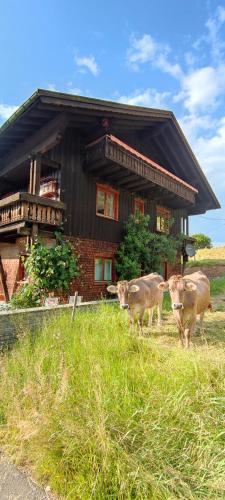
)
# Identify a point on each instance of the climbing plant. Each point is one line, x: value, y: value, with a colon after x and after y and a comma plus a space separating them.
x: 142, y: 251
x: 49, y: 268
x: 52, y: 268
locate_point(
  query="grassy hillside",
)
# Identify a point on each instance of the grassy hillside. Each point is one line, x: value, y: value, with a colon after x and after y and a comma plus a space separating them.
x: 99, y: 413
x: 208, y: 257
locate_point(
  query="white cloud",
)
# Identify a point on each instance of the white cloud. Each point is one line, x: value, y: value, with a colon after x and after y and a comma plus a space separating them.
x: 149, y: 97
x: 52, y: 86
x: 87, y: 63
x: 202, y: 88
x: 142, y: 50
x: 213, y: 26
x: 6, y: 111
x: 207, y: 139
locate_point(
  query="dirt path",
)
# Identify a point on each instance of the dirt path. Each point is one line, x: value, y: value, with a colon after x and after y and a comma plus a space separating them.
x: 16, y: 485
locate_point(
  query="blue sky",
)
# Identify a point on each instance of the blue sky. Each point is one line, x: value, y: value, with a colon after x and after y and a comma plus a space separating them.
x: 168, y: 54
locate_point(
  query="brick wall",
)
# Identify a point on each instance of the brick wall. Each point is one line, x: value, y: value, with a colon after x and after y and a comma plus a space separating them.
x: 87, y: 251
x: 10, y: 254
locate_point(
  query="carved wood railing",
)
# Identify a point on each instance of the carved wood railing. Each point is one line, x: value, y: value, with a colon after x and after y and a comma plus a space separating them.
x: 31, y: 208
x: 107, y: 148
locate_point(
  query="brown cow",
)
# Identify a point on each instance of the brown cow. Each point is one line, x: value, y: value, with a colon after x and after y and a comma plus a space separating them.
x: 138, y: 295
x: 190, y: 296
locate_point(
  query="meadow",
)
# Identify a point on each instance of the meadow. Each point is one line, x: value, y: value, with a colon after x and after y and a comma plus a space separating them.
x: 208, y: 257
x: 97, y: 412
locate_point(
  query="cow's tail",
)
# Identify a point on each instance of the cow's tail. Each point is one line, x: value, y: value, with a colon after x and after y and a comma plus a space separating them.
x: 210, y: 307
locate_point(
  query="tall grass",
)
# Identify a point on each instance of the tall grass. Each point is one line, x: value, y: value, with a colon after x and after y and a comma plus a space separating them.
x: 99, y: 413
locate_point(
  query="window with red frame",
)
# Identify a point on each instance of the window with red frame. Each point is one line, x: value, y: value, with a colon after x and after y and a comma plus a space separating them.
x: 103, y: 269
x: 139, y: 206
x: 163, y: 216
x: 107, y: 202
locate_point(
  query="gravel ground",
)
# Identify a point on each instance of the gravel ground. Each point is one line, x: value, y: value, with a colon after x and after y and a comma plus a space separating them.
x: 15, y: 485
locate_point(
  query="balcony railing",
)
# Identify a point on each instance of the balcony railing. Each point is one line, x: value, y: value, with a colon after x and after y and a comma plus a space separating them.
x: 25, y: 207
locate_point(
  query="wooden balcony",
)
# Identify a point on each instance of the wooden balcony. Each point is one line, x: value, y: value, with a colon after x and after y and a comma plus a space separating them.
x: 27, y: 209
x: 113, y: 160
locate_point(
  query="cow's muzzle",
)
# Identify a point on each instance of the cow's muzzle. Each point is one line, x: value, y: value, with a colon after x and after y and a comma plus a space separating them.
x: 176, y: 307
x: 124, y: 306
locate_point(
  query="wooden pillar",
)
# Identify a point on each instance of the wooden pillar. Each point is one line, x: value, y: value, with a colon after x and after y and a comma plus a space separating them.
x: 31, y: 175
x: 3, y: 280
x: 187, y: 225
x: 35, y: 175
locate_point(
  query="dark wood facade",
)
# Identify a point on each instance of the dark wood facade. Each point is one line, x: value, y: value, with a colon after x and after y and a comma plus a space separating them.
x: 79, y: 142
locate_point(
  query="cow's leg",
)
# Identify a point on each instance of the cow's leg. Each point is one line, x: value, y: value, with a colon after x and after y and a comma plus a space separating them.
x: 150, y: 317
x: 189, y: 331
x: 159, y: 309
x: 181, y: 335
x: 131, y: 318
x: 201, y: 323
x: 140, y: 321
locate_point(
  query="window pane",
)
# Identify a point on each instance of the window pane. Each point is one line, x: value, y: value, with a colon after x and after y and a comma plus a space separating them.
x: 98, y: 269
x: 108, y: 270
x: 100, y: 202
x: 109, y: 205
x: 158, y: 225
x: 139, y: 206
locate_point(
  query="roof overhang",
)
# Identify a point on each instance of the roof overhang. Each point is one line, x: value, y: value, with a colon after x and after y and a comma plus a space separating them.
x: 158, y: 126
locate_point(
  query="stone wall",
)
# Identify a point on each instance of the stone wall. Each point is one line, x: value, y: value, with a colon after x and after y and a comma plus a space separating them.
x: 14, y: 323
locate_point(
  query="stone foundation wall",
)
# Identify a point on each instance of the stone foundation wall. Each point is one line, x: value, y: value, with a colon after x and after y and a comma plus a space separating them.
x: 19, y: 322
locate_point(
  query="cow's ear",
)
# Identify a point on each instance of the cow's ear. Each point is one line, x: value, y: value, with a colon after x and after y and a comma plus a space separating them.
x: 112, y: 289
x: 163, y: 286
x: 134, y: 288
x: 189, y: 286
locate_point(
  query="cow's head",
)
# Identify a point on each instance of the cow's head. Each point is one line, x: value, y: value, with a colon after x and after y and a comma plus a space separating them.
x: 177, y: 286
x: 123, y: 290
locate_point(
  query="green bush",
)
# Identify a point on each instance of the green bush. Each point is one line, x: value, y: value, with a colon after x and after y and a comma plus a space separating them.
x: 52, y: 268
x: 141, y: 251
x: 27, y: 296
x: 202, y: 241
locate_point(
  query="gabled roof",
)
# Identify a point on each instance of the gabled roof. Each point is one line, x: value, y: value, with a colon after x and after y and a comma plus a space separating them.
x: 160, y: 127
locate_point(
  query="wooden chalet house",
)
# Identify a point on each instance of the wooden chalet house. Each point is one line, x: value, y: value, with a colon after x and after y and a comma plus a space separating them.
x: 87, y: 164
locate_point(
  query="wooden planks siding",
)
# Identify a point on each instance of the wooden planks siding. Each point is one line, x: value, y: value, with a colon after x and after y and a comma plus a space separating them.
x: 78, y: 192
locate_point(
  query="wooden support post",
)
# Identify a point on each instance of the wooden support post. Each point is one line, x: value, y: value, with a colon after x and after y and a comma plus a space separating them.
x: 37, y: 175
x: 74, y: 306
x: 31, y: 175
x: 3, y: 280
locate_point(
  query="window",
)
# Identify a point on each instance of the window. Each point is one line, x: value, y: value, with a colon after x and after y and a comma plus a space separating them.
x: 139, y: 206
x: 163, y: 220
x: 107, y: 202
x: 103, y: 269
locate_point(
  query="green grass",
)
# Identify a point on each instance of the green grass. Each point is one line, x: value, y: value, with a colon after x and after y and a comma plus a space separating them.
x: 205, y: 262
x: 99, y: 413
x: 217, y: 286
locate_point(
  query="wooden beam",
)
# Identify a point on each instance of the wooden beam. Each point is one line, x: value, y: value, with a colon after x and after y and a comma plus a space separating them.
x: 37, y: 175
x: 3, y: 280
x: 50, y: 163
x: 40, y: 142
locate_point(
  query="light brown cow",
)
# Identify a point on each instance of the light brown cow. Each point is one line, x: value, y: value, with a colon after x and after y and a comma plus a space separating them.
x: 190, y: 296
x: 138, y: 295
